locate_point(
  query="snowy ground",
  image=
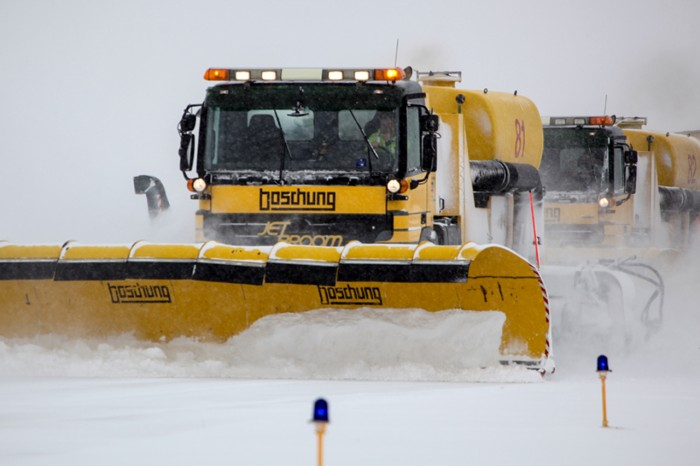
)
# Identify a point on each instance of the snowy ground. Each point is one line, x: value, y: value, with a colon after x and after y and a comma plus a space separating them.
x: 395, y: 396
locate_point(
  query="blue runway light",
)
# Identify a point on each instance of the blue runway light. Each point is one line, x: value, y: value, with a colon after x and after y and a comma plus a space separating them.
x: 603, y: 368
x: 320, y: 411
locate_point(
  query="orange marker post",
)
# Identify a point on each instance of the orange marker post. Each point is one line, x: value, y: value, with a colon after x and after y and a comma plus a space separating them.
x: 320, y: 430
x: 603, y: 370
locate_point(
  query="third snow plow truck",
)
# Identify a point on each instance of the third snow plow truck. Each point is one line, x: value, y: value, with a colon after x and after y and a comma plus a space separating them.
x: 620, y: 205
x: 319, y: 188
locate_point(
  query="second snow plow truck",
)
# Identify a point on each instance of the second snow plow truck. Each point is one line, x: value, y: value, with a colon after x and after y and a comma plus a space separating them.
x: 318, y: 188
x: 621, y: 205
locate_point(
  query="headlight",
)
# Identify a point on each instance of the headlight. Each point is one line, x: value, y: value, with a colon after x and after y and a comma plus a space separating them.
x: 393, y: 186
x: 199, y: 185
x: 603, y: 202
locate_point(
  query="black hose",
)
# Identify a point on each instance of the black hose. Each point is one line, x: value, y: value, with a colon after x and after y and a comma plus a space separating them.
x: 673, y: 199
x: 496, y: 177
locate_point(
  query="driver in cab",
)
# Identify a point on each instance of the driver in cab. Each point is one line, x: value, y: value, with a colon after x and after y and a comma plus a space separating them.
x: 384, y: 139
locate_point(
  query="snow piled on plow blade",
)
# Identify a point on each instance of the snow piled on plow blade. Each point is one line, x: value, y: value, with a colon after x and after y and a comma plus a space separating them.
x: 366, y: 344
x: 341, y: 343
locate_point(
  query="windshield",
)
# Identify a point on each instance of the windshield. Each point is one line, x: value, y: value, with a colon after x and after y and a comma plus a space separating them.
x: 574, y: 160
x: 272, y: 139
x: 301, y: 129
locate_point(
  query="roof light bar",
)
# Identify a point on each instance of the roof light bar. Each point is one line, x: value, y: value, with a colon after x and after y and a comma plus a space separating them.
x: 582, y: 121
x: 304, y: 74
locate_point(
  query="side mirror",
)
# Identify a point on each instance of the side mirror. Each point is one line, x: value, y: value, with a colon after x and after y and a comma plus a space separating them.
x: 430, y: 123
x: 631, y: 179
x: 429, y: 159
x: 185, y: 128
x: 186, y: 156
x: 631, y: 157
x: 187, y: 122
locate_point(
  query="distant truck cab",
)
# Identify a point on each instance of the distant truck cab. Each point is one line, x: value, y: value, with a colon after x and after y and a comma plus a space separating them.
x: 588, y: 171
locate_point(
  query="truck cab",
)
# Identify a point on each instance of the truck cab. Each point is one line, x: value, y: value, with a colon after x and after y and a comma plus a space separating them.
x: 290, y: 155
x: 589, y: 173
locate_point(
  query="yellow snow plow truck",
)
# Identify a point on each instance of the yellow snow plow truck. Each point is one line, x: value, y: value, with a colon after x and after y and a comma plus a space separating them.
x: 318, y: 188
x: 621, y: 204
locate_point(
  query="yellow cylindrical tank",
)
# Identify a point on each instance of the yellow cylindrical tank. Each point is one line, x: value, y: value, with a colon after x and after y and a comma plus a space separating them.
x: 499, y: 126
x: 676, y: 156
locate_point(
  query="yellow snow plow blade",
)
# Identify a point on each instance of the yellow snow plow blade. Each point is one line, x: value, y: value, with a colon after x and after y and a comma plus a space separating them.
x: 213, y: 291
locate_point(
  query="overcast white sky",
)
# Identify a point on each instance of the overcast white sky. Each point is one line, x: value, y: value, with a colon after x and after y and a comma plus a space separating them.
x: 92, y: 91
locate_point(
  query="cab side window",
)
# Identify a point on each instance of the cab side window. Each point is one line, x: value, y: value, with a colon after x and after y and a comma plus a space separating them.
x: 413, y: 141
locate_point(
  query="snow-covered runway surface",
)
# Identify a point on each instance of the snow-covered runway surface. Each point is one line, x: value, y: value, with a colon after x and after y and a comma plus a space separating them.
x: 398, y: 394
x: 184, y: 421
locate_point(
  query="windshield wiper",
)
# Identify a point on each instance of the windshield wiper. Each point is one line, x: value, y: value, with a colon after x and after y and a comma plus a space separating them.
x: 287, y: 150
x: 369, y: 144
